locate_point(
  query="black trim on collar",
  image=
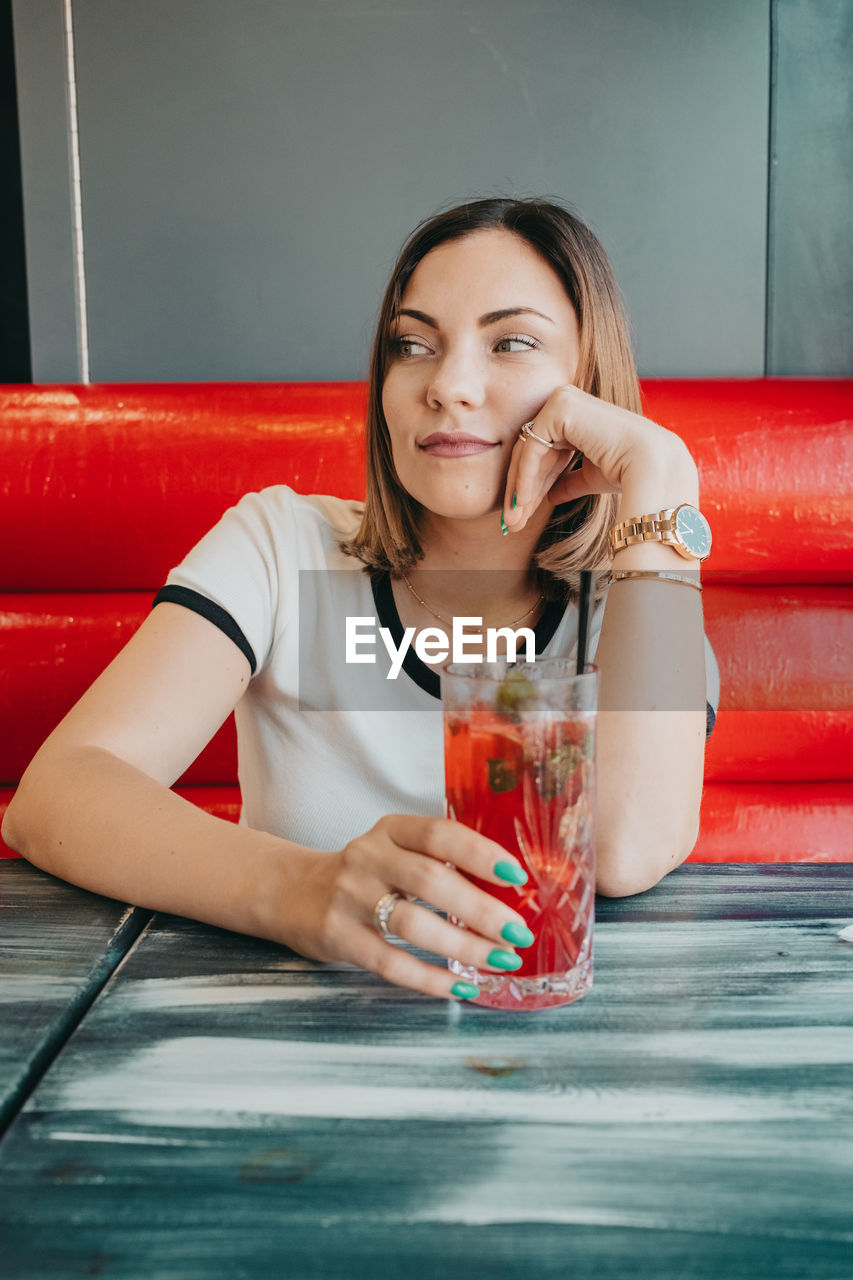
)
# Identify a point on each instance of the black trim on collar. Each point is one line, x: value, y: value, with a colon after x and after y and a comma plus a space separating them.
x: 386, y: 609
x: 427, y: 677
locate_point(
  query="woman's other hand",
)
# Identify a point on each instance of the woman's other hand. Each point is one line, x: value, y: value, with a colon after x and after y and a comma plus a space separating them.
x: 338, y: 893
x: 614, y: 444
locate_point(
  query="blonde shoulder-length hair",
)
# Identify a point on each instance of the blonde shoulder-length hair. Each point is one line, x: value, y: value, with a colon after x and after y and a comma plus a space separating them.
x: 576, y: 537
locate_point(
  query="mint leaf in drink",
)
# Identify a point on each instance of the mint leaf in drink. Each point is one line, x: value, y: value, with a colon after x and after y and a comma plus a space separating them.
x: 515, y: 689
x: 503, y: 776
x: 556, y: 769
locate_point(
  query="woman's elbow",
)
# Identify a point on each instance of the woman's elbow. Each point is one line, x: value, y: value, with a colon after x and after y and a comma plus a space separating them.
x: 23, y: 820
x: 625, y: 868
x: 624, y: 882
x: 9, y: 832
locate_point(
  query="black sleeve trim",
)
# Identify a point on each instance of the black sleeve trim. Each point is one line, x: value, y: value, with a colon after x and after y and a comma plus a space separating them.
x: 213, y: 612
x: 710, y: 720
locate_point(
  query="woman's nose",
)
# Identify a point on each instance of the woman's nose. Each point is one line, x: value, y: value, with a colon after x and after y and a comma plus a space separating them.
x: 455, y: 379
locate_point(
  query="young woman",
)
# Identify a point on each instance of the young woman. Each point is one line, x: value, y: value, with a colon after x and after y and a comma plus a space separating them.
x: 500, y: 315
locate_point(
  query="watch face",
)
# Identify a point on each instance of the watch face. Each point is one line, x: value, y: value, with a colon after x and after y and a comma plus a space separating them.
x: 694, y: 531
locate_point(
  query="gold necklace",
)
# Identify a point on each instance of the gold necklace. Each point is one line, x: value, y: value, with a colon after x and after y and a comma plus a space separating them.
x: 539, y: 600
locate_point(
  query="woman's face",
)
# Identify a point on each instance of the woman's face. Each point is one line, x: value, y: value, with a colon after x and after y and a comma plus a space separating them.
x: 485, y: 333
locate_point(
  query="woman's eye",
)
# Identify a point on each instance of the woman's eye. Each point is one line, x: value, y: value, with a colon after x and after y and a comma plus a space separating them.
x: 517, y: 342
x: 407, y: 347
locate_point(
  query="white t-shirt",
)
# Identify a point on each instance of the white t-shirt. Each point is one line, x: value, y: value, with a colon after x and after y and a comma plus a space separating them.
x: 327, y: 747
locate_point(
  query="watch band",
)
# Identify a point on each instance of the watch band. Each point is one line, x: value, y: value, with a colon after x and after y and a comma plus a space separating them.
x: 659, y: 527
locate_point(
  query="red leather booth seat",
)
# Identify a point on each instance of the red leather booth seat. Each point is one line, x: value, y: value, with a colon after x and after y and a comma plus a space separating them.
x: 104, y: 488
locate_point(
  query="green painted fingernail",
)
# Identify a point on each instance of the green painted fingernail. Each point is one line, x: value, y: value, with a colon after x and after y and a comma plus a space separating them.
x: 514, y: 500
x: 517, y: 934
x: 504, y: 960
x: 509, y: 871
x: 464, y: 990
x: 504, y: 529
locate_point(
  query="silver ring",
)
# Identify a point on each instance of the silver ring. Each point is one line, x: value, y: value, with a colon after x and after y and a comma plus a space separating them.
x: 528, y: 434
x: 382, y: 912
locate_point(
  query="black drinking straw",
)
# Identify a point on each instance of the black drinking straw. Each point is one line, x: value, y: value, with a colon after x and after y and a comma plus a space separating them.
x: 583, y: 620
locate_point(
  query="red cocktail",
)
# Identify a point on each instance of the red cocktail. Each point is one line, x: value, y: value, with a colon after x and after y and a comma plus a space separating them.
x: 519, y: 751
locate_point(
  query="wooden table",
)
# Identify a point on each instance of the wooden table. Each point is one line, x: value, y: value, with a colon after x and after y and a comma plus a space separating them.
x: 224, y: 1108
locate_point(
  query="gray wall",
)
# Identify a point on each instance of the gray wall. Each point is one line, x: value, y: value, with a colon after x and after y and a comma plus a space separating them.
x: 250, y: 168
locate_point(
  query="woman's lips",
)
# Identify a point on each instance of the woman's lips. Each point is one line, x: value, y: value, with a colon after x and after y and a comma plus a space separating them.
x: 456, y: 448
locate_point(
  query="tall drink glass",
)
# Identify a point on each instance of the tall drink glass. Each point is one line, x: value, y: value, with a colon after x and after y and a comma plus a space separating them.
x: 519, y: 759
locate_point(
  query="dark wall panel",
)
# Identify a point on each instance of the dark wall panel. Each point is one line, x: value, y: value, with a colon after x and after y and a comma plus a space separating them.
x: 14, y: 323
x: 46, y: 177
x: 810, y: 314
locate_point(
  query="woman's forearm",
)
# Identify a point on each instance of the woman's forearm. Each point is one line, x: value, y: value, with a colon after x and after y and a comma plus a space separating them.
x: 85, y: 815
x: 651, y: 657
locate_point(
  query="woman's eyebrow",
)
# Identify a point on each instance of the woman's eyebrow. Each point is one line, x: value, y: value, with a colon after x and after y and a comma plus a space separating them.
x: 491, y: 317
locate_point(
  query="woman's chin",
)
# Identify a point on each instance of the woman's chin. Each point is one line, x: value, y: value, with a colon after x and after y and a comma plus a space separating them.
x: 462, y: 502
x: 464, y: 509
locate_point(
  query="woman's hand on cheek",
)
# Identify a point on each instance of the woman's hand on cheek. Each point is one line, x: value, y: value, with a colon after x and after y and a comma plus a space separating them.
x: 612, y: 441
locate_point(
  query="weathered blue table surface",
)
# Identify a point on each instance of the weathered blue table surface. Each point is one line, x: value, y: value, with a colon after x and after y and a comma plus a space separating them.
x: 227, y: 1109
x: 58, y: 946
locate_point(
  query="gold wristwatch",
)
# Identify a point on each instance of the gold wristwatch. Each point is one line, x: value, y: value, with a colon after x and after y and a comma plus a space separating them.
x: 684, y: 528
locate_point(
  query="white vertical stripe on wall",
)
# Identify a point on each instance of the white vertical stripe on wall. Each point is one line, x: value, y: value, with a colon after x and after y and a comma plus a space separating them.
x: 76, y: 196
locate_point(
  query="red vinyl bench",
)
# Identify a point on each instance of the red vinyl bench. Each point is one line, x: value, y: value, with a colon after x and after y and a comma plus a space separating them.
x: 104, y: 488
